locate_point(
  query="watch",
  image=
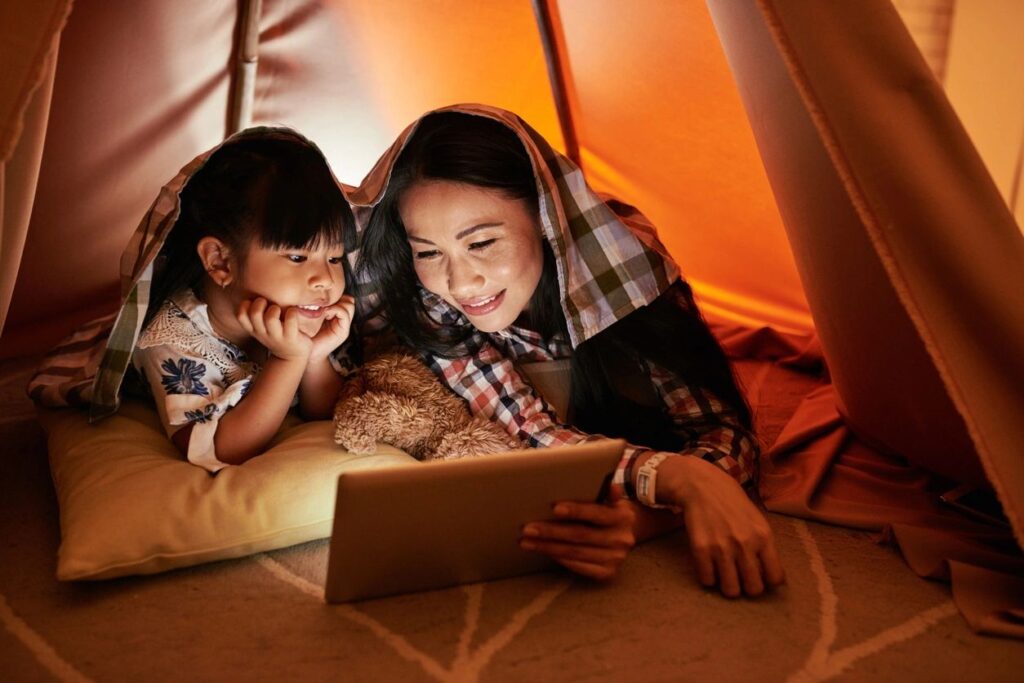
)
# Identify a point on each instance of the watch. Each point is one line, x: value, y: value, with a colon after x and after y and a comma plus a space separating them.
x: 647, y: 480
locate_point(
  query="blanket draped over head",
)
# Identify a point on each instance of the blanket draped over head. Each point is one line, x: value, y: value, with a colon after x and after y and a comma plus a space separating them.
x: 87, y: 369
x: 610, y: 263
x: 609, y: 258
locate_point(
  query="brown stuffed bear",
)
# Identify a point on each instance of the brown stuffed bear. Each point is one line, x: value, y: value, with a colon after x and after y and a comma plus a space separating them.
x: 394, y: 398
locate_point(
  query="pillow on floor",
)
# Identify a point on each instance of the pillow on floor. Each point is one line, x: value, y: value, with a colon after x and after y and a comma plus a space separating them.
x: 130, y: 504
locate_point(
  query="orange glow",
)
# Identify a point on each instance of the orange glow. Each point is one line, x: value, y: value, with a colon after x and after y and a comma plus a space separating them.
x: 661, y: 125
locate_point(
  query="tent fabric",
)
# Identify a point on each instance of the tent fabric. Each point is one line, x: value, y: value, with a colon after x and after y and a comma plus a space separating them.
x: 26, y: 85
x: 939, y: 318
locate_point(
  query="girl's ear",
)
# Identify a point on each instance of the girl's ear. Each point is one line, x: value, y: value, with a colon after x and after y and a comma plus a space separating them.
x: 218, y: 262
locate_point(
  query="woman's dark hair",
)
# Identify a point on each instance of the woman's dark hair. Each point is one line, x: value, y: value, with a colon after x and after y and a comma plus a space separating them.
x: 669, y: 332
x: 264, y: 189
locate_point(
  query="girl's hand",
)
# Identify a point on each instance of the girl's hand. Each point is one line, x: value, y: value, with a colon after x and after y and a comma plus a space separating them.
x: 730, y: 539
x: 592, y: 539
x: 275, y: 329
x: 335, y: 329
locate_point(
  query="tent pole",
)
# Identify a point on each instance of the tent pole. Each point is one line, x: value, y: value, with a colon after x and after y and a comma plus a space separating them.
x: 246, y: 63
x: 556, y: 75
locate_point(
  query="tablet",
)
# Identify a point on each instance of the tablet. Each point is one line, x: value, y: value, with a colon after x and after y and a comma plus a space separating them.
x: 441, y: 523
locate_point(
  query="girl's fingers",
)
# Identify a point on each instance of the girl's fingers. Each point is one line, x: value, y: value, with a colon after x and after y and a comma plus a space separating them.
x: 257, y: 309
x: 290, y: 322
x: 272, y: 321
x: 242, y: 315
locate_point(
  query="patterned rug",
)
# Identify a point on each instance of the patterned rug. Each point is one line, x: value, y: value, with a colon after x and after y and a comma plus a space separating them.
x: 851, y: 610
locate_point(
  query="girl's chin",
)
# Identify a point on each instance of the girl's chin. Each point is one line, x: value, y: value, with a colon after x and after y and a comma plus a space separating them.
x: 310, y: 327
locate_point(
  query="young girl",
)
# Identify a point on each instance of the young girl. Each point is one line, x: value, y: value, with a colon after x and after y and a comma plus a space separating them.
x: 487, y: 250
x: 247, y: 301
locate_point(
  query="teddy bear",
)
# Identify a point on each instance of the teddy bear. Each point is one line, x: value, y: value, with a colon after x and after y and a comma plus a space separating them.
x: 395, y: 399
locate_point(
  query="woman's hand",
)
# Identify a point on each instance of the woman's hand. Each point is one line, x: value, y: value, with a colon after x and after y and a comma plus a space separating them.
x: 335, y: 329
x: 275, y: 329
x: 592, y: 539
x: 730, y: 539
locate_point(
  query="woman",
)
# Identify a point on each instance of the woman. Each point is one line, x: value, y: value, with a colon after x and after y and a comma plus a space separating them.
x: 487, y: 250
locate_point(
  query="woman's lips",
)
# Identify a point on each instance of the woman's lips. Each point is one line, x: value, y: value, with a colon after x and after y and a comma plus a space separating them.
x: 484, y: 306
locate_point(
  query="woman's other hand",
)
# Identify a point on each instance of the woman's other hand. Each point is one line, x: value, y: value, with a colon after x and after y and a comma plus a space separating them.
x: 592, y: 539
x: 730, y: 539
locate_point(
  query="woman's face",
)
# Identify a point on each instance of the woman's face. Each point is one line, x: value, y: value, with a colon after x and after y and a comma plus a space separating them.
x: 475, y: 247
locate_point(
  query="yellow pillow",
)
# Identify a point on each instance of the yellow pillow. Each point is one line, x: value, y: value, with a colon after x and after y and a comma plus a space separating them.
x: 130, y: 504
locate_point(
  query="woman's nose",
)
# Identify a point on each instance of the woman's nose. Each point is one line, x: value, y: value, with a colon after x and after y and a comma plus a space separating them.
x: 463, y: 279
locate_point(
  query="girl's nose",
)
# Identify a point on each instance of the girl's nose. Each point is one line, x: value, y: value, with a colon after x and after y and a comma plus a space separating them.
x: 325, y: 275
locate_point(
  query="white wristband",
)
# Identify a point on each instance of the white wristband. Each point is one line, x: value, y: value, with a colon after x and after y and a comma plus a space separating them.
x: 647, y: 481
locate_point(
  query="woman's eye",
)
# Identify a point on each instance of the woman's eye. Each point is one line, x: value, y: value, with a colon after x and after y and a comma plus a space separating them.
x: 420, y: 255
x: 483, y: 244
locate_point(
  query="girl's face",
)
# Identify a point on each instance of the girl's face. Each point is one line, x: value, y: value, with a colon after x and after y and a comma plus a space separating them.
x: 475, y: 247
x: 311, y: 279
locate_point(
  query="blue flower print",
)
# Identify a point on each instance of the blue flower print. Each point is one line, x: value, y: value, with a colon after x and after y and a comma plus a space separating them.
x: 200, y: 416
x: 183, y: 377
x: 245, y: 387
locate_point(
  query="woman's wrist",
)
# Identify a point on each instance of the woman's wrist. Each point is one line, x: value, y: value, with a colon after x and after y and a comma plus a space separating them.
x: 673, y: 480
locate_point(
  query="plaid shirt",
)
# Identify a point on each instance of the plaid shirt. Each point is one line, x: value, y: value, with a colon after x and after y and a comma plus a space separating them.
x: 489, y: 382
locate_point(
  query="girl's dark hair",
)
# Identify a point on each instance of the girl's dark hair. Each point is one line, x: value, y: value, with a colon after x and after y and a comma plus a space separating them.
x: 263, y: 189
x: 669, y: 332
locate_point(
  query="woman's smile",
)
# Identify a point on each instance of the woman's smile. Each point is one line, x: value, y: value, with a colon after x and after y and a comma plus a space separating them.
x: 479, y: 307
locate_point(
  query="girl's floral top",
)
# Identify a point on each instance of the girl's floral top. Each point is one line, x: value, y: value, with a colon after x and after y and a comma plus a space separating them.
x: 194, y: 375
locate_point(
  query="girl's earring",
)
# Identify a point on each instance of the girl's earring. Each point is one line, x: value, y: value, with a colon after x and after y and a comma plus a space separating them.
x: 221, y: 281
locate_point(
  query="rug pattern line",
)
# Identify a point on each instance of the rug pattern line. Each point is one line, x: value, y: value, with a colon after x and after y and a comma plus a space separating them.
x: 468, y: 664
x: 42, y: 651
x: 822, y: 664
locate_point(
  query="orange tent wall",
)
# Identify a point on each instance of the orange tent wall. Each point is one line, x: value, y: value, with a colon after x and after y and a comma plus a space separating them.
x: 662, y: 126
x: 140, y: 91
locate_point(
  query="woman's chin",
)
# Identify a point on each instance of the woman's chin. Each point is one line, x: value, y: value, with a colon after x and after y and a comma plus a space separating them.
x: 491, y: 323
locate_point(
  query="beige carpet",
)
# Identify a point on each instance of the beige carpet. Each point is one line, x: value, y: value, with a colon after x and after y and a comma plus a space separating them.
x: 851, y: 609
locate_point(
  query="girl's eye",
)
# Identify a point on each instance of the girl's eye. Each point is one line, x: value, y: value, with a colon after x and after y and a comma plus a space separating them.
x: 483, y: 244
x: 296, y: 258
x: 336, y: 260
x: 420, y: 255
